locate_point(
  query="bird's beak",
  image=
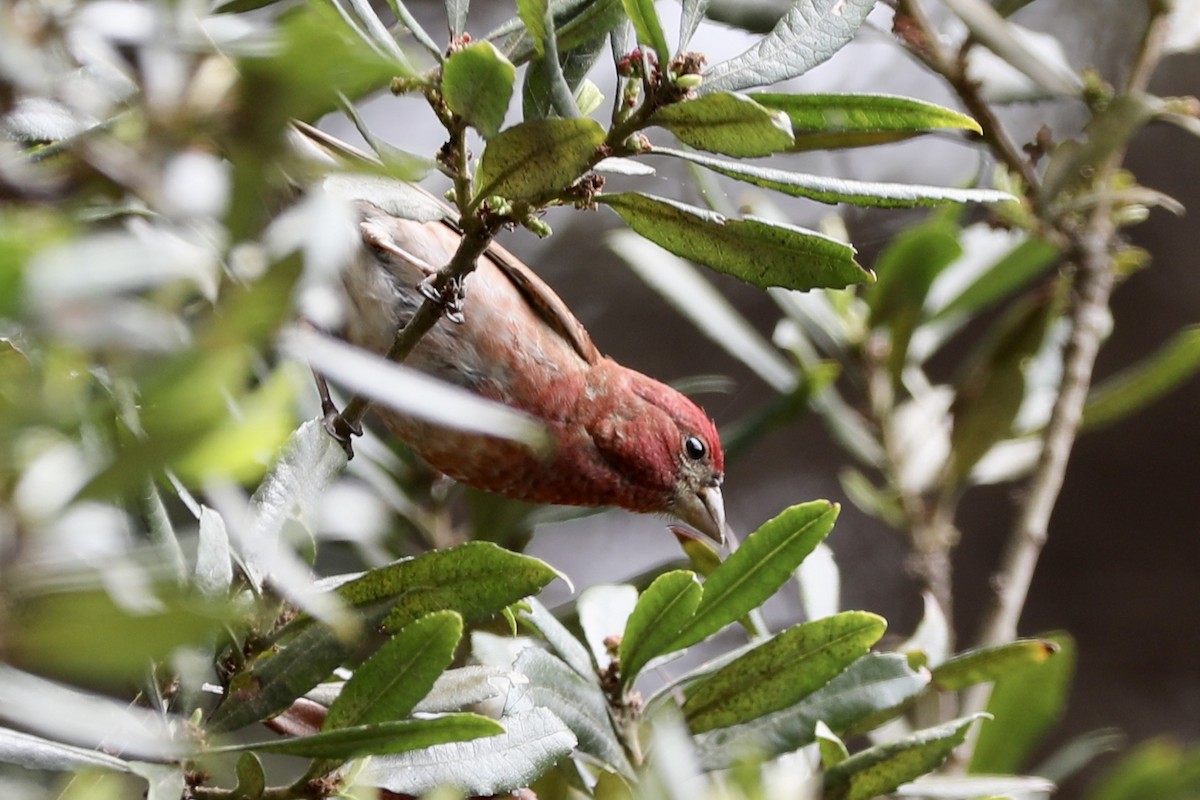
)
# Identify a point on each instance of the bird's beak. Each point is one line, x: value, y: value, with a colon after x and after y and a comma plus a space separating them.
x: 705, y: 511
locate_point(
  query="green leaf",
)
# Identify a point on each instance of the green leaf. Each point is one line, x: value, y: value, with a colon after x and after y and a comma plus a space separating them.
x: 477, y: 83
x: 456, y: 16
x: 881, y: 769
x: 810, y: 32
x: 1073, y: 163
x: 532, y: 742
x: 1015, y: 269
x: 1136, y: 387
x: 758, y: 568
x: 991, y: 392
x: 649, y: 29
x: 781, y: 671
x: 380, y: 738
x: 870, y: 688
x: 1159, y: 769
x: 825, y: 121
x: 539, y: 96
x: 251, y: 780
x: 390, y: 683
x: 731, y: 124
x: 837, y: 190
x: 659, y: 616
x: 575, y: 700
x: 833, y: 749
x: 753, y: 250
x: 537, y: 159
x: 1025, y: 703
x: 561, y: 641
x: 533, y: 14
x: 987, y: 664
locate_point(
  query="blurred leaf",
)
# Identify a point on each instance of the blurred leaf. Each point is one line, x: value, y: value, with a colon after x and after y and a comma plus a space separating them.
x: 1073, y: 163
x: 405, y: 18
x: 610, y: 786
x: 881, y: 769
x: 533, y: 14
x: 1078, y: 752
x: 535, y: 160
x: 456, y: 689
x: 992, y: 388
x: 456, y: 16
x: 824, y: 121
x: 1160, y: 768
x: 883, y: 503
x: 396, y: 197
x: 380, y: 738
x: 820, y: 583
x: 531, y: 743
x: 538, y: 92
x: 1007, y: 8
x: 731, y: 124
x: 251, y: 780
x: 833, y: 749
x: 810, y: 32
x: 1025, y: 703
x: 603, y: 611
x: 164, y: 781
x: 70, y: 634
x: 782, y: 671
x: 996, y: 787
x: 648, y: 27
x: 929, y: 644
x: 753, y: 250
x: 561, y: 641
x: 477, y: 84
x: 837, y: 190
x: 682, y: 285
x: 576, y: 701
x: 1015, y: 269
x: 214, y: 560
x: 869, y: 688
x: 34, y: 752
x: 987, y: 664
x: 1138, y: 386
x: 389, y: 684
x: 693, y: 14
x: 754, y: 571
x: 576, y: 22
x: 660, y: 614
x: 700, y: 552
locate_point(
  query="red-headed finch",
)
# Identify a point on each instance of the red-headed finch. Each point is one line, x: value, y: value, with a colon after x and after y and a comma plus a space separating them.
x: 621, y: 438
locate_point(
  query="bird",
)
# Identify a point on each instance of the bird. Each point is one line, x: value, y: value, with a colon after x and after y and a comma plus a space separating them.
x: 620, y: 438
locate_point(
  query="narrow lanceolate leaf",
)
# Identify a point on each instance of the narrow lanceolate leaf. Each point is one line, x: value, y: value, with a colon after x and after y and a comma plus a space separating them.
x: 532, y: 742
x: 561, y: 641
x: 879, y: 770
x: 731, y: 124
x: 533, y: 14
x: 389, y: 684
x: 476, y: 579
x: 870, y: 687
x: 575, y: 700
x: 782, y: 671
x: 986, y: 664
x: 758, y: 568
x: 659, y: 616
x: 811, y: 32
x: 837, y: 190
x: 380, y: 738
x: 477, y: 83
x: 1177, y: 361
x: 537, y: 159
x: 693, y: 14
x: 649, y: 29
x: 1014, y: 269
x: 35, y: 753
x: 753, y: 250
x: 456, y: 16
x: 826, y: 121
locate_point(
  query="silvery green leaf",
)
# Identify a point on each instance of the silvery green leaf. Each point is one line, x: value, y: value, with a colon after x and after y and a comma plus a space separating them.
x: 810, y: 32
x: 35, y: 753
x: 693, y: 14
x: 603, y: 611
x: 953, y: 787
x: 532, y: 742
x: 456, y: 16
x: 561, y: 640
x: 166, y: 781
x: 214, y: 561
x: 455, y: 689
x: 820, y: 583
x: 623, y: 166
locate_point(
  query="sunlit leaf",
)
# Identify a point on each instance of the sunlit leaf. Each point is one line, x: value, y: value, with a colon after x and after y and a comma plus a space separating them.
x: 731, y: 124
x: 380, y: 738
x: 477, y: 83
x: 561, y: 641
x: 661, y: 611
x: 649, y: 29
x: 689, y: 21
x: 987, y: 664
x: 833, y: 749
x: 754, y: 250
x: 538, y: 158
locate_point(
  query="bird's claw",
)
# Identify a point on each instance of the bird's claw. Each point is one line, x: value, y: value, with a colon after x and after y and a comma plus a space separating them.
x: 450, y: 299
x: 341, y: 430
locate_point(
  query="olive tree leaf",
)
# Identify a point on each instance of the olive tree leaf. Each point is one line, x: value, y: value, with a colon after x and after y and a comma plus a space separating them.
x: 660, y: 614
x: 731, y: 124
x: 538, y: 158
x: 477, y: 84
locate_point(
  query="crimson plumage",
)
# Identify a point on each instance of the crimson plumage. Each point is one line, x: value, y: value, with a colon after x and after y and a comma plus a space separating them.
x: 621, y: 438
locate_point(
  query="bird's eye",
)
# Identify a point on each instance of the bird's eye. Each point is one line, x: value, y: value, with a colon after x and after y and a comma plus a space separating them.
x: 694, y: 448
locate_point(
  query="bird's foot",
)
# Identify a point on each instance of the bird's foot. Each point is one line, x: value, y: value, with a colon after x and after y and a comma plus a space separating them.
x: 450, y: 299
x: 337, y: 426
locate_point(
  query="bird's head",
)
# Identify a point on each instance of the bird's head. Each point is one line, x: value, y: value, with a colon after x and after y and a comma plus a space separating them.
x: 668, y: 449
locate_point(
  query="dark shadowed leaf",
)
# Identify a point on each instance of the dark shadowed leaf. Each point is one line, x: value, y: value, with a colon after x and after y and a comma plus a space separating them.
x: 1025, y: 702
x: 811, y: 32
x: 1143, y: 383
x: 754, y: 571
x: 532, y: 742
x: 731, y: 124
x: 576, y: 701
x: 381, y: 738
x: 837, y: 190
x: 538, y: 158
x: 389, y: 684
x: 823, y: 121
x: 660, y: 614
x: 871, y: 687
x: 753, y: 250
x: 881, y: 769
x: 477, y: 83
x: 987, y: 664
x: 782, y: 671
x: 540, y: 96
